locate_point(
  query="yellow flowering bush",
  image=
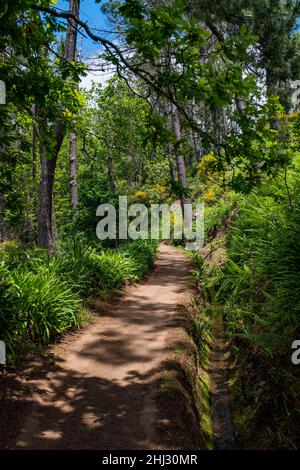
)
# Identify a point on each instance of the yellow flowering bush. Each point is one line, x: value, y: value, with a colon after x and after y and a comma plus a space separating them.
x: 207, y: 165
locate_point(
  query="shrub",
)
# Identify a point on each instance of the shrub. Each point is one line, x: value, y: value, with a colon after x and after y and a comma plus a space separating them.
x: 34, y: 308
x: 45, y: 306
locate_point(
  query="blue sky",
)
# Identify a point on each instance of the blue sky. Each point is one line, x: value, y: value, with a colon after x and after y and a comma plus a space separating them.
x: 90, y: 12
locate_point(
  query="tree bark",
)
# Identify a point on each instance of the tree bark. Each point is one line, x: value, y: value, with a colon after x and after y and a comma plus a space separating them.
x: 178, y: 154
x: 34, y: 167
x: 73, y: 171
x: 71, y: 37
x: 180, y: 163
x: 71, y: 54
x: 110, y: 169
x: 172, y: 169
x: 49, y: 153
x: 34, y: 146
x: 46, y: 237
x: 194, y: 136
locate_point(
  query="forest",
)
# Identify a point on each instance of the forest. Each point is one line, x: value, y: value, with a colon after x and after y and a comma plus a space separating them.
x: 174, y: 102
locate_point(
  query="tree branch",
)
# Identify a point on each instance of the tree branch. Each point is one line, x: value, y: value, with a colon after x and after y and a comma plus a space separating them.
x: 115, y: 51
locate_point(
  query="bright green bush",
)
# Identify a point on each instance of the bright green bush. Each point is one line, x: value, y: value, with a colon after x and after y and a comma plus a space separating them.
x: 142, y: 253
x: 34, y: 308
x: 45, y: 306
x: 89, y: 270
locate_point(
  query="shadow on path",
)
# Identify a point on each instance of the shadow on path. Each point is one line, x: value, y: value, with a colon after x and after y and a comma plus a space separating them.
x: 98, y: 392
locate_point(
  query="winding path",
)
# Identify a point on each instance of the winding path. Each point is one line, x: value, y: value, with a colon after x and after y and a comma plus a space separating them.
x: 97, y: 393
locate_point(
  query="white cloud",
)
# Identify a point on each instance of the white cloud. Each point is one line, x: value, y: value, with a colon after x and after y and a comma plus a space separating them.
x: 98, y: 71
x: 95, y: 76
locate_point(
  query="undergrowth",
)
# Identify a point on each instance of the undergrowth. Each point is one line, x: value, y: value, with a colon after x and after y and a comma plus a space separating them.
x: 257, y: 290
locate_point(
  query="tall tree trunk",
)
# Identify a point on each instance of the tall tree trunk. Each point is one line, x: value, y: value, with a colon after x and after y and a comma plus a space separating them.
x: 271, y: 90
x: 194, y: 136
x: 271, y: 85
x: 34, y: 146
x: 73, y: 171
x: 49, y: 153
x: 34, y: 167
x: 172, y: 163
x: 180, y: 163
x: 172, y: 169
x: 178, y: 154
x: 71, y: 38
x: 110, y: 169
x: 71, y: 54
x: 46, y: 237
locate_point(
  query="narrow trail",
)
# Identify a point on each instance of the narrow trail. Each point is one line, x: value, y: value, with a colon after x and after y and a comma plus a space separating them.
x: 98, y: 392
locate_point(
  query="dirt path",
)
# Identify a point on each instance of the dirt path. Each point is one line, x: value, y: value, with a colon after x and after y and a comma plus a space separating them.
x: 98, y: 392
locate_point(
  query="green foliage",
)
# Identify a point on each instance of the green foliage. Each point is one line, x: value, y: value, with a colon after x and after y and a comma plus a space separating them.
x: 202, y: 331
x: 34, y: 307
x: 263, y: 247
x: 153, y: 29
x: 257, y: 290
x: 210, y: 59
x: 45, y: 306
x: 217, y: 215
x: 87, y: 270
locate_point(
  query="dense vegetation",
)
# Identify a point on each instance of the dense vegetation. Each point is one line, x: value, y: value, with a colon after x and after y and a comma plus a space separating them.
x: 200, y: 106
x: 250, y: 277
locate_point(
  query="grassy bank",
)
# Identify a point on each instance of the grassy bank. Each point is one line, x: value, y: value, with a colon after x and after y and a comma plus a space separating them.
x: 250, y: 275
x: 183, y: 383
